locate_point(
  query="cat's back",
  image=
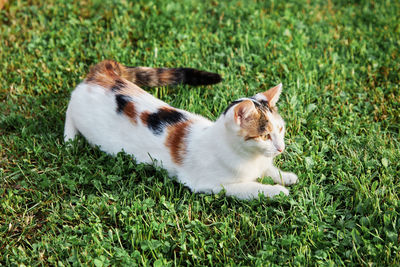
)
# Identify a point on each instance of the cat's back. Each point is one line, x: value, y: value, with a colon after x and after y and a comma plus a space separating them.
x: 115, y: 114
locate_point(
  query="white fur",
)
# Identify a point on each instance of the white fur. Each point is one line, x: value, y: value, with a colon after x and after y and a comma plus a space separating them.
x: 217, y: 157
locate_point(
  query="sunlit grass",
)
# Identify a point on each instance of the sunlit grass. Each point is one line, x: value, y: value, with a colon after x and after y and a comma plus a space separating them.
x: 339, y: 64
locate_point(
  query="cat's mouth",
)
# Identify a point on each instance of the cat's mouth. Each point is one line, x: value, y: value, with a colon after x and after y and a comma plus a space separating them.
x: 279, y: 147
x: 271, y: 153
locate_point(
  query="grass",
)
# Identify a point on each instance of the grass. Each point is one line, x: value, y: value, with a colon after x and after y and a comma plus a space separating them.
x: 339, y: 63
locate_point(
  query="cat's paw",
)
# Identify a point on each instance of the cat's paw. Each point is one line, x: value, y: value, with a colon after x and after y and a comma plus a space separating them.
x: 289, y: 178
x: 274, y: 190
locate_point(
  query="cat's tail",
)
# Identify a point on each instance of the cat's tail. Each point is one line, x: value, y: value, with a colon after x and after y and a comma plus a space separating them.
x: 145, y: 76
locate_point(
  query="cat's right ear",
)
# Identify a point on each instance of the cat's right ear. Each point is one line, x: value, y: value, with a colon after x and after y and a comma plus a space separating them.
x: 244, y: 111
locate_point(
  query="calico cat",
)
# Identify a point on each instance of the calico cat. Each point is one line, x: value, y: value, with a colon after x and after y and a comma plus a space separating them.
x: 110, y: 110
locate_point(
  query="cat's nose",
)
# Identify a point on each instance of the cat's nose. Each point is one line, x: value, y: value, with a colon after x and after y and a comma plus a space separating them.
x: 280, y: 148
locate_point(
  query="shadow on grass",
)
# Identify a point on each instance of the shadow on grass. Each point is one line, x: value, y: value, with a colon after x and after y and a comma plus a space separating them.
x: 34, y: 116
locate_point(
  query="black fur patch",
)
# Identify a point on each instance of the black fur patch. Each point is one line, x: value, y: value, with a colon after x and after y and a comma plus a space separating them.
x: 197, y: 77
x: 122, y: 100
x: 263, y: 104
x: 143, y: 77
x: 160, y: 70
x: 231, y: 105
x: 163, y: 117
x: 119, y: 84
x: 262, y: 126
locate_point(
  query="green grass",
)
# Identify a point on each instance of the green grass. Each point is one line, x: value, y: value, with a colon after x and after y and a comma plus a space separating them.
x: 339, y: 63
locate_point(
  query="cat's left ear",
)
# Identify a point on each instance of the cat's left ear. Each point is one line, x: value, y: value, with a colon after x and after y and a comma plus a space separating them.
x: 273, y: 94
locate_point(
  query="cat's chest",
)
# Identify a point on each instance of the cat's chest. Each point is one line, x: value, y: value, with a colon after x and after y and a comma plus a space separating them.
x: 250, y: 170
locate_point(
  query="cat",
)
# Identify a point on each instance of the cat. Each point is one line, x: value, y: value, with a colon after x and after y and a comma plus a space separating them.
x: 111, y: 111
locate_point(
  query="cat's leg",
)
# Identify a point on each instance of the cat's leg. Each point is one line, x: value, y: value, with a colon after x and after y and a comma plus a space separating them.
x: 279, y: 176
x: 70, y: 130
x: 250, y: 190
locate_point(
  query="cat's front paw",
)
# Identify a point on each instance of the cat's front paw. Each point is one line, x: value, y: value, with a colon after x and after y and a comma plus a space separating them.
x: 274, y: 190
x: 289, y: 178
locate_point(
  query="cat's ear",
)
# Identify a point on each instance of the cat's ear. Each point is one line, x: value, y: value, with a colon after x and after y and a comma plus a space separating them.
x: 244, y: 111
x: 273, y: 94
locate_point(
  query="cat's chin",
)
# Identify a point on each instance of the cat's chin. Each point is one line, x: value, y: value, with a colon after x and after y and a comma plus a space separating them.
x: 271, y: 154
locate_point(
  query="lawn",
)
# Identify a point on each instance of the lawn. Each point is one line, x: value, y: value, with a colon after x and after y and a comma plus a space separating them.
x: 339, y: 63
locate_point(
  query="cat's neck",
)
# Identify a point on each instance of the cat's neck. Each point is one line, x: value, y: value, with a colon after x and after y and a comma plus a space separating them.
x: 216, y: 146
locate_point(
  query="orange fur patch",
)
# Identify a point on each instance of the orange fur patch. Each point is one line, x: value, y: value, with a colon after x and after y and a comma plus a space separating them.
x: 144, y: 117
x: 166, y: 77
x: 167, y: 108
x: 253, y: 121
x: 176, y: 140
x: 104, y: 73
x: 109, y: 73
x: 130, y: 111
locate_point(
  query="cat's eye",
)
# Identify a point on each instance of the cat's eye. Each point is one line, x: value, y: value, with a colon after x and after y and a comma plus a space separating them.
x: 266, y: 137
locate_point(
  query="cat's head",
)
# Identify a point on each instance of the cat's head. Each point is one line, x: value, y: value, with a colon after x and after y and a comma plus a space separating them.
x: 256, y: 123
